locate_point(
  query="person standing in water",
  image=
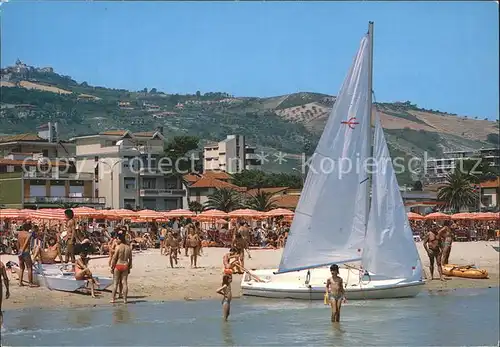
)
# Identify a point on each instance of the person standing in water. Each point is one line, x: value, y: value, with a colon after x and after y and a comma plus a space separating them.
x: 5, y: 279
x: 121, y: 266
x: 335, y: 292
x: 446, y: 235
x: 433, y: 248
x: 226, y: 293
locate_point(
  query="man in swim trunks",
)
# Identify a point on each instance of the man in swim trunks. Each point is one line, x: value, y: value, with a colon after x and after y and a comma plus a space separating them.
x: 446, y: 235
x: 192, y: 242
x: 3, y: 276
x: 70, y: 236
x: 226, y: 293
x: 82, y: 272
x: 121, y: 266
x: 433, y: 248
x: 23, y: 245
x: 335, y: 291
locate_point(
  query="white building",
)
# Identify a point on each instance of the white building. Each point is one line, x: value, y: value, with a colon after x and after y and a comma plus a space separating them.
x: 231, y: 155
x: 438, y: 169
x: 129, y: 170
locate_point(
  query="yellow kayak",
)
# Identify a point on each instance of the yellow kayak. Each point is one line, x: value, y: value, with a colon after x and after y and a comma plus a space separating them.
x: 465, y: 271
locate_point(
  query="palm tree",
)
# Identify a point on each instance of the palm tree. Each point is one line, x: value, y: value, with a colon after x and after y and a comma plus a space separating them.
x: 262, y: 201
x: 195, y: 206
x: 224, y: 199
x: 458, y: 191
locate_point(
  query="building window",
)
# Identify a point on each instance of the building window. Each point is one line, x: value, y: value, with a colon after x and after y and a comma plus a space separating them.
x: 45, y: 152
x: 149, y: 183
x: 129, y: 183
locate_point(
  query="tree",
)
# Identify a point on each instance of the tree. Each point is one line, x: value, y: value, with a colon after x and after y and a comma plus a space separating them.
x: 145, y: 91
x: 195, y: 206
x: 177, y: 151
x: 224, y: 199
x: 262, y: 201
x: 417, y: 186
x: 458, y: 191
x: 153, y: 91
x: 493, y: 138
x: 198, y: 94
x: 477, y: 170
x: 260, y: 179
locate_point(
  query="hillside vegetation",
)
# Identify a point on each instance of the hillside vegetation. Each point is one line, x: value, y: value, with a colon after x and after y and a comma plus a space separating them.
x: 289, y: 123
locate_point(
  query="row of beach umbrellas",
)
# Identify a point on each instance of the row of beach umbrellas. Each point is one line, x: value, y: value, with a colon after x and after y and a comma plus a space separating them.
x: 140, y: 216
x: 485, y: 216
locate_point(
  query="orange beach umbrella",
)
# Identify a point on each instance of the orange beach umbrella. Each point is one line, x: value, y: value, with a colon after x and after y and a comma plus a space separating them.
x: 179, y: 213
x: 12, y: 213
x: 415, y: 216
x: 438, y: 216
x: 244, y: 213
x: 212, y: 214
x: 279, y: 212
x: 49, y: 214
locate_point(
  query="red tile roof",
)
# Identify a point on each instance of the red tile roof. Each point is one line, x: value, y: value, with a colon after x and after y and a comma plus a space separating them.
x: 21, y: 137
x: 287, y: 201
x: 272, y: 190
x: 191, y: 178
x: 220, y: 175
x: 210, y: 182
x: 491, y: 183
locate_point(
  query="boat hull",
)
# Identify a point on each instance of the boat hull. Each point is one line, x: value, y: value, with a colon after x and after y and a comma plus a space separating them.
x: 56, y: 279
x: 293, y: 285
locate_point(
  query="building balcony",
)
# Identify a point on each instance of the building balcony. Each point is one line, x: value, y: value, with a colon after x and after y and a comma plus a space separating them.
x: 152, y: 171
x: 82, y: 176
x: 51, y: 200
x: 162, y: 192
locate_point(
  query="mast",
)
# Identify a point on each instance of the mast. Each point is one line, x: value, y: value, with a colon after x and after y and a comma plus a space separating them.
x: 369, y: 128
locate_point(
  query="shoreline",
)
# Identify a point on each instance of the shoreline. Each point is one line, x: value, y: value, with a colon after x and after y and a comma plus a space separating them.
x: 152, y: 279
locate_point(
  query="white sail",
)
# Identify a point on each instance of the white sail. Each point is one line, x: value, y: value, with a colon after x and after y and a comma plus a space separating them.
x: 330, y: 218
x: 389, y: 247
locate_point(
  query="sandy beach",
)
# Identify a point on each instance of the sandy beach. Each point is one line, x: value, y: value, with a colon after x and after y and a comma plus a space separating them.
x: 152, y: 279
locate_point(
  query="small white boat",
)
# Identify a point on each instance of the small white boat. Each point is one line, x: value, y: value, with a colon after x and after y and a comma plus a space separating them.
x: 297, y: 285
x: 344, y: 217
x: 60, y: 277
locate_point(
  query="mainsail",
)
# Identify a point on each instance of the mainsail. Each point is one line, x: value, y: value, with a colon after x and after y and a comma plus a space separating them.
x: 330, y: 219
x: 389, y: 247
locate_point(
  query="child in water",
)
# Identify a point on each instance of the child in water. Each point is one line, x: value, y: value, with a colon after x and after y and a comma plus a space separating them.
x: 335, y: 292
x: 225, y: 291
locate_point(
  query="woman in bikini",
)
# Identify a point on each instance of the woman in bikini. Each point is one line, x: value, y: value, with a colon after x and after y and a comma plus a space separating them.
x: 226, y: 293
x: 82, y: 272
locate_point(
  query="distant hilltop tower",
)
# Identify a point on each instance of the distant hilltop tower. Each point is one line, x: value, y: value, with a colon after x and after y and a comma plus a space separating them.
x: 49, y: 131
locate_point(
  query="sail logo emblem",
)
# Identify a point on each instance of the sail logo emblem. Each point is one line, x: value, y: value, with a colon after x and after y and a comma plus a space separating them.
x: 351, y: 122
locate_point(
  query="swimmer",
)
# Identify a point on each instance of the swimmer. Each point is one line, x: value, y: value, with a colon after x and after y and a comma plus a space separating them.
x: 335, y: 292
x: 226, y: 293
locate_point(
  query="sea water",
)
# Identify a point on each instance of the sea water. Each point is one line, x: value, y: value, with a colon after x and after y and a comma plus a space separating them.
x: 453, y: 318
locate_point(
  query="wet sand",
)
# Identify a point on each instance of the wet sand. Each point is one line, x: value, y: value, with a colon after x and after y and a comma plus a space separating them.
x: 152, y: 279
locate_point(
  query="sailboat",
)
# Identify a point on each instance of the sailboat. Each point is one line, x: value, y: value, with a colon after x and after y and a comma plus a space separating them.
x: 335, y: 221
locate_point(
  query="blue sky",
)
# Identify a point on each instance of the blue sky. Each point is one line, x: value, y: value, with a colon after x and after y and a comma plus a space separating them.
x: 440, y: 55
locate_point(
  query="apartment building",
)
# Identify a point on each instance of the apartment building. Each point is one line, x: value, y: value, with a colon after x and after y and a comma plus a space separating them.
x: 37, y: 170
x: 438, y: 169
x: 129, y: 171
x: 231, y: 155
x: 35, y: 183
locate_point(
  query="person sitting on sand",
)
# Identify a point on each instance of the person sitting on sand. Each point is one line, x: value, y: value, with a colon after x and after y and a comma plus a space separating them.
x: 231, y: 261
x: 446, y: 235
x: 433, y: 248
x: 226, y: 293
x: 335, y: 292
x: 3, y: 276
x: 172, y: 244
x: 49, y: 255
x: 82, y: 272
x: 121, y: 266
